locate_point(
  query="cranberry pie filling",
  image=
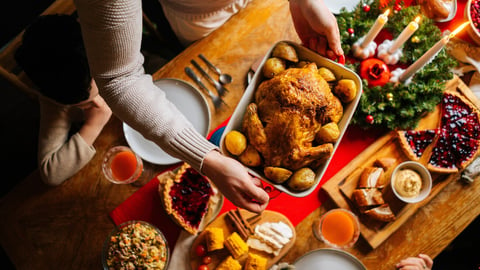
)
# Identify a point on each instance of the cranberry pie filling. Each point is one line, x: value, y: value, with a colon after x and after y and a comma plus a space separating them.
x: 456, y: 141
x: 187, y: 197
x: 418, y: 140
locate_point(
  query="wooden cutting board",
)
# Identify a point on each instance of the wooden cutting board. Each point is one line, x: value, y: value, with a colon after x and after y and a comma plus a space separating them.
x: 340, y: 187
x: 221, y: 222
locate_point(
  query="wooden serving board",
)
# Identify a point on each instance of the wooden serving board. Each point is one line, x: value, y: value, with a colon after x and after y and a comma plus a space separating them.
x: 222, y: 222
x: 341, y: 186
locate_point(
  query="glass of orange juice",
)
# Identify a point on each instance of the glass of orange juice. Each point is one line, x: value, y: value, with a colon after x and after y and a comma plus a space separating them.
x: 338, y: 228
x: 121, y: 165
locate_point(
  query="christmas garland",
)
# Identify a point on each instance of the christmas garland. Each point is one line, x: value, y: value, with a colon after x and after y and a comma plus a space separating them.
x: 399, y: 106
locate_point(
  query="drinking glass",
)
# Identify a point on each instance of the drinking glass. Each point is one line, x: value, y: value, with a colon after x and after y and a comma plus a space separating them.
x: 338, y: 228
x: 121, y: 165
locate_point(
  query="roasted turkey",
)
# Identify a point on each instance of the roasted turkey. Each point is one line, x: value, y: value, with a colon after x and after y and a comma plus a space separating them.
x: 288, y: 111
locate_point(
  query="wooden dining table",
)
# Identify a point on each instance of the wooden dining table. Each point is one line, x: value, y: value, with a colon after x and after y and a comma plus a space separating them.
x: 64, y: 227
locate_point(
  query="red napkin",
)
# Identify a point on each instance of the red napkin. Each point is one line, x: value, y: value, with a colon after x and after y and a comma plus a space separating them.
x: 145, y: 205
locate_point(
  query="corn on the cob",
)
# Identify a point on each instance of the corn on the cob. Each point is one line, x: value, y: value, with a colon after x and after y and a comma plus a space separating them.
x: 229, y: 264
x: 236, y: 245
x: 214, y: 238
x: 255, y: 262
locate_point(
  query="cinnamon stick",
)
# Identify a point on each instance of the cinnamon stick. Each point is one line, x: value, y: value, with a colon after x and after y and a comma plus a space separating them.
x: 244, y: 222
x: 237, y: 223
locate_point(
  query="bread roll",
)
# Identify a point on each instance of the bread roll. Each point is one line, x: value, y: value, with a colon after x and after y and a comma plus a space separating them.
x: 367, y: 197
x: 381, y: 213
x: 385, y: 163
x: 371, y: 177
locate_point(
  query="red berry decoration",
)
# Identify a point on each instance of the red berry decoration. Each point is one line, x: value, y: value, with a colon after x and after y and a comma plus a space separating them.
x: 200, y: 250
x: 375, y: 71
x: 202, y: 267
x: 366, y: 8
x: 369, y: 119
x: 206, y: 260
x: 350, y: 31
x: 397, y: 8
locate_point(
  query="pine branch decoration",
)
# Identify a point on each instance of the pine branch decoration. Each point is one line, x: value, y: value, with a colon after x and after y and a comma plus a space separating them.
x: 410, y: 102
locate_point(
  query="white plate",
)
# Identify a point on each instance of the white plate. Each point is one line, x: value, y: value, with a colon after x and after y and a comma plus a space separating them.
x: 188, y: 101
x: 336, y: 5
x: 331, y: 259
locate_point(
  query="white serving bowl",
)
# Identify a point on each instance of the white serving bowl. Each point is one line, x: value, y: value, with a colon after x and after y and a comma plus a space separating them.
x: 306, y: 54
x: 424, y: 175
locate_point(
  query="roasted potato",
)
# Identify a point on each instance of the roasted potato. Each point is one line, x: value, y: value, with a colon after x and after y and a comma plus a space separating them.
x: 285, y: 51
x: 346, y: 90
x: 250, y: 157
x: 273, y: 66
x: 277, y: 174
x: 301, y: 64
x: 328, y: 133
x: 235, y: 142
x: 302, y: 179
x: 327, y: 74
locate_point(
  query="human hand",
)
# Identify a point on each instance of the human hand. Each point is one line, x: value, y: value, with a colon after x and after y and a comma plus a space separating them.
x: 233, y: 180
x: 421, y: 262
x: 317, y: 27
x: 97, y: 113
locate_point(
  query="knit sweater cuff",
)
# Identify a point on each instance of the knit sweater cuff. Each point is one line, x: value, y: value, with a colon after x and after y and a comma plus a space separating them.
x: 192, y: 147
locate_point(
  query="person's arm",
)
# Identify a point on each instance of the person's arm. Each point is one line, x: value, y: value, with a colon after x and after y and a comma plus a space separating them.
x: 97, y: 113
x: 316, y: 26
x: 59, y: 157
x: 112, y: 32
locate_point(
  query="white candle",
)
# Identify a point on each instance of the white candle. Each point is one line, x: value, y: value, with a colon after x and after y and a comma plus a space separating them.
x: 429, y: 55
x: 377, y: 26
x: 406, y: 33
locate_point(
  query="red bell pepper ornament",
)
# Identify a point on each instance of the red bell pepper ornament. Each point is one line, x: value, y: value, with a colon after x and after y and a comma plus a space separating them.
x: 375, y: 71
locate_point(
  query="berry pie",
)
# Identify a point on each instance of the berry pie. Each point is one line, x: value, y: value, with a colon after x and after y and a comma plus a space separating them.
x: 414, y: 142
x: 187, y: 196
x: 455, y: 142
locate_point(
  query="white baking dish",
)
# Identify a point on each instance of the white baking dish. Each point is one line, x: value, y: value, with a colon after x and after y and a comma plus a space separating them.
x: 306, y: 54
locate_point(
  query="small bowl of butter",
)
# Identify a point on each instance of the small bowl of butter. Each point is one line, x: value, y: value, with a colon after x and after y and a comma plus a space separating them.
x: 411, y: 182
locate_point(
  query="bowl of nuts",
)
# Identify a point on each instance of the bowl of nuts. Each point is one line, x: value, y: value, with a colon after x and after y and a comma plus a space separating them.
x: 472, y: 13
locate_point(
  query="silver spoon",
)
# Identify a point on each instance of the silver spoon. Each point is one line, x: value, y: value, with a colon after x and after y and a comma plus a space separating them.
x: 224, y: 78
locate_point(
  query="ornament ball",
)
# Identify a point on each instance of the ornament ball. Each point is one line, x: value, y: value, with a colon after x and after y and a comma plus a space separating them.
x: 397, y: 8
x: 366, y: 8
x: 369, y: 119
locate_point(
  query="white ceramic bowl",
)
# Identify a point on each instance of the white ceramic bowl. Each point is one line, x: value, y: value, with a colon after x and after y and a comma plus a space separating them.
x: 303, y: 53
x: 472, y: 30
x: 424, y: 175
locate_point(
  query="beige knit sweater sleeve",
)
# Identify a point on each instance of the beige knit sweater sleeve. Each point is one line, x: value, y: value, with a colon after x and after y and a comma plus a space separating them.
x: 112, y: 31
x: 60, y: 157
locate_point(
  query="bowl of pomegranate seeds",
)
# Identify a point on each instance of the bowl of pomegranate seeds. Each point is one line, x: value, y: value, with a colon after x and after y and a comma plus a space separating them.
x: 472, y: 12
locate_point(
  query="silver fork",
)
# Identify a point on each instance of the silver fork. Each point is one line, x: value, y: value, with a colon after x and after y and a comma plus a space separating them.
x: 221, y: 90
x: 217, y: 101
